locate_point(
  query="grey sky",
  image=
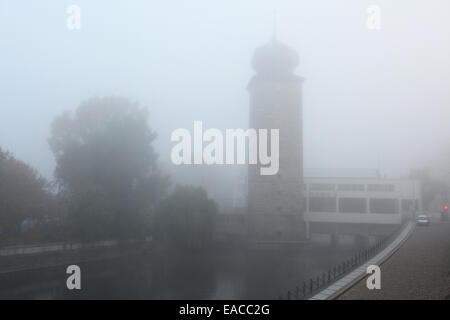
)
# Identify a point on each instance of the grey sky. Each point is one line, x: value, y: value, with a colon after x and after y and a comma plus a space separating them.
x: 370, y: 96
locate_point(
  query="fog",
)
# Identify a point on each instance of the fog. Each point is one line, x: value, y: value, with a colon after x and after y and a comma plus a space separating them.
x: 371, y: 100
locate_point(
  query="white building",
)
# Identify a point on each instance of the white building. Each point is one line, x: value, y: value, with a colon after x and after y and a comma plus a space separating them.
x: 359, y: 200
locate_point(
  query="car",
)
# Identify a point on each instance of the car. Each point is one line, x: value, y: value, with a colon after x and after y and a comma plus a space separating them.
x: 422, y: 220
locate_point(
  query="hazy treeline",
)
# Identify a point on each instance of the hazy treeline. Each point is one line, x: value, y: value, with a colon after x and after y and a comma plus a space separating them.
x: 107, y: 184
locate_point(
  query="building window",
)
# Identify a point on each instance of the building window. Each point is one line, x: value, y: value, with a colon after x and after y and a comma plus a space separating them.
x: 352, y: 205
x: 321, y: 187
x: 381, y: 187
x: 350, y: 187
x: 387, y: 206
x: 322, y: 204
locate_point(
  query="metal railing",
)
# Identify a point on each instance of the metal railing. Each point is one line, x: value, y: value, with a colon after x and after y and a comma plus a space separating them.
x: 52, y: 247
x: 40, y: 256
x: 315, y: 284
x: 60, y: 246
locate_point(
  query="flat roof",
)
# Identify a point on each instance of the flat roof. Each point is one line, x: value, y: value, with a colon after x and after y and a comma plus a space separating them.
x: 341, y: 173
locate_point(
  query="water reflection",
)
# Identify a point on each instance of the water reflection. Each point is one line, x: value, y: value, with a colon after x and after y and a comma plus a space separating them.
x: 240, y: 272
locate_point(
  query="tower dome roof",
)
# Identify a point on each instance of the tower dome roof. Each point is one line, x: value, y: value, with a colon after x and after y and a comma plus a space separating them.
x: 275, y: 58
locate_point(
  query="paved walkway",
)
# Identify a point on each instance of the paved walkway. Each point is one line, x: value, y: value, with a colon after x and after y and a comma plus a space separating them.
x: 420, y: 269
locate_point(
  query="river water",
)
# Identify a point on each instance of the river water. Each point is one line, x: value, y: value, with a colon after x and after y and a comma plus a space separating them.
x: 238, y: 272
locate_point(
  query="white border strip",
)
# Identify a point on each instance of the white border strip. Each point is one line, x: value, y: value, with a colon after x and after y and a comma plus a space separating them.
x: 356, y: 275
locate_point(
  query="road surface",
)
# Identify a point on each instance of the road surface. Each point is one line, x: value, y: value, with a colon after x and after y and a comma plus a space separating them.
x: 420, y: 269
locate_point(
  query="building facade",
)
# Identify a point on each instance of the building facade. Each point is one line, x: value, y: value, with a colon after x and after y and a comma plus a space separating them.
x: 352, y: 205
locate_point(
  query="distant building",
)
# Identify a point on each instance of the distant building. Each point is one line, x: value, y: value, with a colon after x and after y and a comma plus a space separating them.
x: 354, y: 202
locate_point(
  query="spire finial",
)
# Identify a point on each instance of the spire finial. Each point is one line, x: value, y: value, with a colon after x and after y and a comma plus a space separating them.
x: 274, y: 24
